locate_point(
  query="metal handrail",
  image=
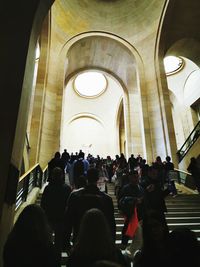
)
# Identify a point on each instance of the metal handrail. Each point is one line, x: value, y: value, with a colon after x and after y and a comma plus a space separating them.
x: 194, y: 135
x: 185, y: 178
x: 34, y: 177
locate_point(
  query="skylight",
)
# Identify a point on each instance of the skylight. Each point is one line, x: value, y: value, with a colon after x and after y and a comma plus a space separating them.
x: 172, y: 64
x: 90, y: 83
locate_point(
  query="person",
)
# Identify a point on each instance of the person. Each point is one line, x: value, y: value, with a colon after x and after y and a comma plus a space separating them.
x: 154, y: 251
x: 29, y: 243
x: 84, y: 199
x: 194, y: 169
x: 103, y: 177
x: 80, y: 167
x: 154, y: 195
x: 81, y: 182
x: 132, y: 163
x: 65, y: 156
x: 169, y: 174
x: 94, y: 242
x: 184, y: 248
x: 54, y: 202
x: 109, y: 168
x: 55, y: 162
x: 130, y: 202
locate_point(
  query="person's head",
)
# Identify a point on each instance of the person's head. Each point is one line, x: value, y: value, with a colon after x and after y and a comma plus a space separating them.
x: 94, y: 238
x: 57, y: 176
x: 184, y: 247
x: 133, y: 177
x: 144, y: 161
x: 57, y: 155
x: 168, y: 159
x: 81, y: 181
x: 92, y: 176
x: 158, y: 159
x: 153, y: 172
x: 81, y: 154
x: 32, y: 224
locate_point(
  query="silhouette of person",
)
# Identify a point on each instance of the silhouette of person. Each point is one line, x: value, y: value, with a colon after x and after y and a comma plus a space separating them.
x: 54, y: 202
x: 184, y: 248
x: 55, y: 162
x: 29, y: 243
x: 94, y: 242
x: 195, y: 171
x: 84, y: 199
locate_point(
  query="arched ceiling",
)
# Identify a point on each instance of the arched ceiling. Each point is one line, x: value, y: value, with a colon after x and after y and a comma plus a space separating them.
x: 181, y: 28
x: 125, y: 18
x: 100, y: 52
x: 132, y: 20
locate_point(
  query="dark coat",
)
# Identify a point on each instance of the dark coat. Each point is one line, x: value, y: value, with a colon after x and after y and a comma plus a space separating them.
x: 134, y: 191
x: 54, y: 201
x: 82, y: 200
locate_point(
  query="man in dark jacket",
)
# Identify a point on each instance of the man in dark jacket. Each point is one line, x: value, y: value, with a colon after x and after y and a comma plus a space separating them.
x: 84, y: 199
x: 54, y: 201
x: 154, y: 195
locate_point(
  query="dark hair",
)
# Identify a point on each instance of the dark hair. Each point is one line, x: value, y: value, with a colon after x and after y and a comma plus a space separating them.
x: 158, y: 159
x: 184, y: 247
x: 168, y: 158
x: 57, y: 154
x: 81, y: 181
x: 92, y: 175
x: 57, y: 176
x: 94, y: 241
x: 31, y: 225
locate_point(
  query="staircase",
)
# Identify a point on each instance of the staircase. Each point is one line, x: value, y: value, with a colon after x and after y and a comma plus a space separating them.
x: 183, y: 211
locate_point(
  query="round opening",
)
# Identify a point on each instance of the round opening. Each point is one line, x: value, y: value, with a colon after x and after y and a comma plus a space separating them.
x: 90, y: 83
x: 172, y: 64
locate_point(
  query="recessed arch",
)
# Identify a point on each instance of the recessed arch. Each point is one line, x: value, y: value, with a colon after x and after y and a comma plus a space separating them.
x: 86, y: 115
x: 131, y: 78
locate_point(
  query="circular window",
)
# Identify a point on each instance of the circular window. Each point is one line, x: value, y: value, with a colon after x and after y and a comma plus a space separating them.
x: 90, y: 83
x: 172, y: 64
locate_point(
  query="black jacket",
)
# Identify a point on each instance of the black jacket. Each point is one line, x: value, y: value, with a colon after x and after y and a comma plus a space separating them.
x: 82, y: 200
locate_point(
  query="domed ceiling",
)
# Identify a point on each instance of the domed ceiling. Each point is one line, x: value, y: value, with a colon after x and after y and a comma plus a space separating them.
x: 122, y: 17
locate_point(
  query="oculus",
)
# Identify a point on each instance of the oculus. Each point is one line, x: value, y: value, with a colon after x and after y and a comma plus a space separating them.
x: 172, y: 64
x: 90, y: 84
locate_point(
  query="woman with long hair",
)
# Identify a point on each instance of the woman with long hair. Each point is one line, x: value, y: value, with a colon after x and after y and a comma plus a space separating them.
x: 94, y: 242
x: 29, y: 243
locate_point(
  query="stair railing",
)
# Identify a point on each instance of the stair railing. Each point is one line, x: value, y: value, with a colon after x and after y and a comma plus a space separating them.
x: 194, y: 135
x: 35, y: 177
x: 185, y: 178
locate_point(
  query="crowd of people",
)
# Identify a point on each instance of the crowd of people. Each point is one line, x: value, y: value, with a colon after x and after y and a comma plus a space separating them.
x: 76, y: 215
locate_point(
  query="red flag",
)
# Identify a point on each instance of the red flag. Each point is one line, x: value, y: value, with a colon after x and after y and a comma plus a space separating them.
x: 132, y: 225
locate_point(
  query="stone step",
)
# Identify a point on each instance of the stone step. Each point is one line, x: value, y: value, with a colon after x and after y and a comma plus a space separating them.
x: 183, y: 211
